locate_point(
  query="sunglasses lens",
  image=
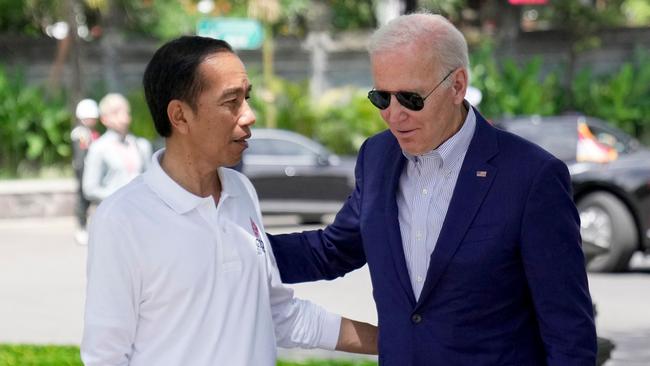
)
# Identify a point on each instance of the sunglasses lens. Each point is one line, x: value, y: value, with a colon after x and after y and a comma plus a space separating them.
x: 412, y: 101
x: 379, y: 99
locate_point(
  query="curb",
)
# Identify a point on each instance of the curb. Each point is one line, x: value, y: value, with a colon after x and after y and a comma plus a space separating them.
x: 37, y: 198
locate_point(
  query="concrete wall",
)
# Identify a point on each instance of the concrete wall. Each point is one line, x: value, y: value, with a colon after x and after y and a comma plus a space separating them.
x: 37, y: 198
x: 348, y: 61
x: 617, y: 46
x: 34, y: 57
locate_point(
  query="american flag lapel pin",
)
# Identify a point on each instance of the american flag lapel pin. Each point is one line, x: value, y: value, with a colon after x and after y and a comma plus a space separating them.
x: 481, y: 173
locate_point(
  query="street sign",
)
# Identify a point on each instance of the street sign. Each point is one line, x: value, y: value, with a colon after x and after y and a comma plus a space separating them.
x: 241, y: 33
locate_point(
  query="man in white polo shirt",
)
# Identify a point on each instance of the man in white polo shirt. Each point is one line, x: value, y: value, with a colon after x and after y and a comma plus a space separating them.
x: 179, y: 268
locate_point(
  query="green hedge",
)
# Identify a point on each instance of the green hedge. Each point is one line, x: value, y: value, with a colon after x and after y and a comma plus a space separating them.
x: 511, y: 89
x: 622, y: 98
x: 29, y: 355
x: 34, y: 128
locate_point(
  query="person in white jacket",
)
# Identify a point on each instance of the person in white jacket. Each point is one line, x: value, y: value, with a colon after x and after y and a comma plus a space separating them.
x: 117, y: 156
x: 180, y: 271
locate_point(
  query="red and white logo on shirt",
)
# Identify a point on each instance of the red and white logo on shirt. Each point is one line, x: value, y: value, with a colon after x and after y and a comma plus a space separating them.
x: 259, y: 243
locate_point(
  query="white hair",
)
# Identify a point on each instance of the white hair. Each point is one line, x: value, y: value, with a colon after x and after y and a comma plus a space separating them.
x: 110, y: 101
x: 433, y: 32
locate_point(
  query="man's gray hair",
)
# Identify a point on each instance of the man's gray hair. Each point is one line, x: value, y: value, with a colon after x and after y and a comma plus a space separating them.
x: 433, y: 32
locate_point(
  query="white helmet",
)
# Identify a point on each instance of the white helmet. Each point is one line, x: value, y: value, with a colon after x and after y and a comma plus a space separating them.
x: 87, y: 108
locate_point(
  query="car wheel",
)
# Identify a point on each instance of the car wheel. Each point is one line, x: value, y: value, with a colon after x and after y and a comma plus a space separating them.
x: 608, y: 232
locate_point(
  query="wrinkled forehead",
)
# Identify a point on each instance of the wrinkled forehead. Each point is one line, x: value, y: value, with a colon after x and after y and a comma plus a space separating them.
x: 405, y: 65
x: 420, y: 51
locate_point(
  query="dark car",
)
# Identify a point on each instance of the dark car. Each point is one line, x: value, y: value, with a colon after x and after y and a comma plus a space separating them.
x: 610, y: 172
x: 296, y: 175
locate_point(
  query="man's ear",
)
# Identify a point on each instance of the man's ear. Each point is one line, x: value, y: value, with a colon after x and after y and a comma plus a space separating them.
x: 179, y: 114
x: 459, y: 85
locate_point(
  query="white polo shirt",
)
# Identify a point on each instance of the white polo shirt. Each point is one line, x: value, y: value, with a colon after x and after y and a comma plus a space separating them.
x: 174, y: 279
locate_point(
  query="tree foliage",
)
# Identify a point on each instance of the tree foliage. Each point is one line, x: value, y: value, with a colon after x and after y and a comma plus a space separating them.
x: 581, y: 20
x: 29, y: 16
x: 167, y: 19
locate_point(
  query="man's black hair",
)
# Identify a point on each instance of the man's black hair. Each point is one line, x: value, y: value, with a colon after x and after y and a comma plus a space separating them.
x: 173, y: 73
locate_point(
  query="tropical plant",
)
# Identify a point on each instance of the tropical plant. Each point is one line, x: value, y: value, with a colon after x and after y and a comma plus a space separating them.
x: 34, y: 130
x: 622, y: 97
x: 512, y: 88
x: 347, y: 120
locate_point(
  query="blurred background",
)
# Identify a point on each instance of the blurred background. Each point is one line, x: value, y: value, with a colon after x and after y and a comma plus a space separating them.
x: 534, y: 62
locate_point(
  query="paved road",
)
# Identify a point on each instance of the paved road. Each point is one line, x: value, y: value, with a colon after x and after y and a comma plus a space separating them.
x: 42, y: 280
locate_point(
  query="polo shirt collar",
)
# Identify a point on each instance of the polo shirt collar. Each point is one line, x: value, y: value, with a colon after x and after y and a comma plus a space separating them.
x: 177, y: 197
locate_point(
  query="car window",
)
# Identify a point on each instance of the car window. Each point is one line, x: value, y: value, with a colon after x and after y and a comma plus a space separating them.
x: 611, y: 138
x: 557, y: 138
x: 267, y: 146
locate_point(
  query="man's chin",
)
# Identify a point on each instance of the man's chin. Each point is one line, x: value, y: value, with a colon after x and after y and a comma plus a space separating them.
x: 234, y: 161
x: 408, y: 147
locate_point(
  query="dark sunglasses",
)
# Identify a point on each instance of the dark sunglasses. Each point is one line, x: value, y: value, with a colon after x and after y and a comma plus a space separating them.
x: 410, y: 100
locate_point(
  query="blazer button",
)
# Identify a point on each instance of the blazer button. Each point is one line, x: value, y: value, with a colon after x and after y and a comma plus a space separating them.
x: 416, y: 318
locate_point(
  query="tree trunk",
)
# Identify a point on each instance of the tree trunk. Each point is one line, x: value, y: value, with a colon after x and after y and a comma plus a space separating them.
x: 508, y: 19
x: 110, y: 42
x: 76, y: 88
x: 268, y: 74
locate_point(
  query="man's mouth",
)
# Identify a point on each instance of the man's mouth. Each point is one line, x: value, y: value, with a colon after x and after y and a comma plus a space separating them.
x: 243, y: 139
x: 406, y: 133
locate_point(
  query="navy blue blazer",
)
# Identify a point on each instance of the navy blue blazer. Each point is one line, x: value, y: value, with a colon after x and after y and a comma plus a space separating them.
x: 506, y: 284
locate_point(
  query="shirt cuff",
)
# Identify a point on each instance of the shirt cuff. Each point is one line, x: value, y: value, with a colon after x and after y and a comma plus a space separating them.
x: 331, y: 329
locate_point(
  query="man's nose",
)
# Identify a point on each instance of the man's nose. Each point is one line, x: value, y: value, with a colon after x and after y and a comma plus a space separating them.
x: 395, y: 112
x: 247, y: 118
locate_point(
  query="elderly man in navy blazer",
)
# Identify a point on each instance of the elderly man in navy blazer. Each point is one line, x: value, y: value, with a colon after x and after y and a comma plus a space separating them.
x: 470, y: 233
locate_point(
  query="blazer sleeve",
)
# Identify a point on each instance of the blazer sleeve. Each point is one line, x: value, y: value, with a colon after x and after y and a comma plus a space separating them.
x: 555, y: 269
x: 329, y: 253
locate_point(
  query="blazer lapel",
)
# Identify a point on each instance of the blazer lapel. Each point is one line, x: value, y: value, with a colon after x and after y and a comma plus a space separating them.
x: 395, y: 164
x: 474, y: 181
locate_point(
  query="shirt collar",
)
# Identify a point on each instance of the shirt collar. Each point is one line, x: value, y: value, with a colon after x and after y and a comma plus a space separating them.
x: 455, y: 146
x: 177, y: 197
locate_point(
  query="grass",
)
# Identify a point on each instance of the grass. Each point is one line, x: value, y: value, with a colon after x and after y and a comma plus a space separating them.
x: 25, y: 355
x: 28, y: 355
